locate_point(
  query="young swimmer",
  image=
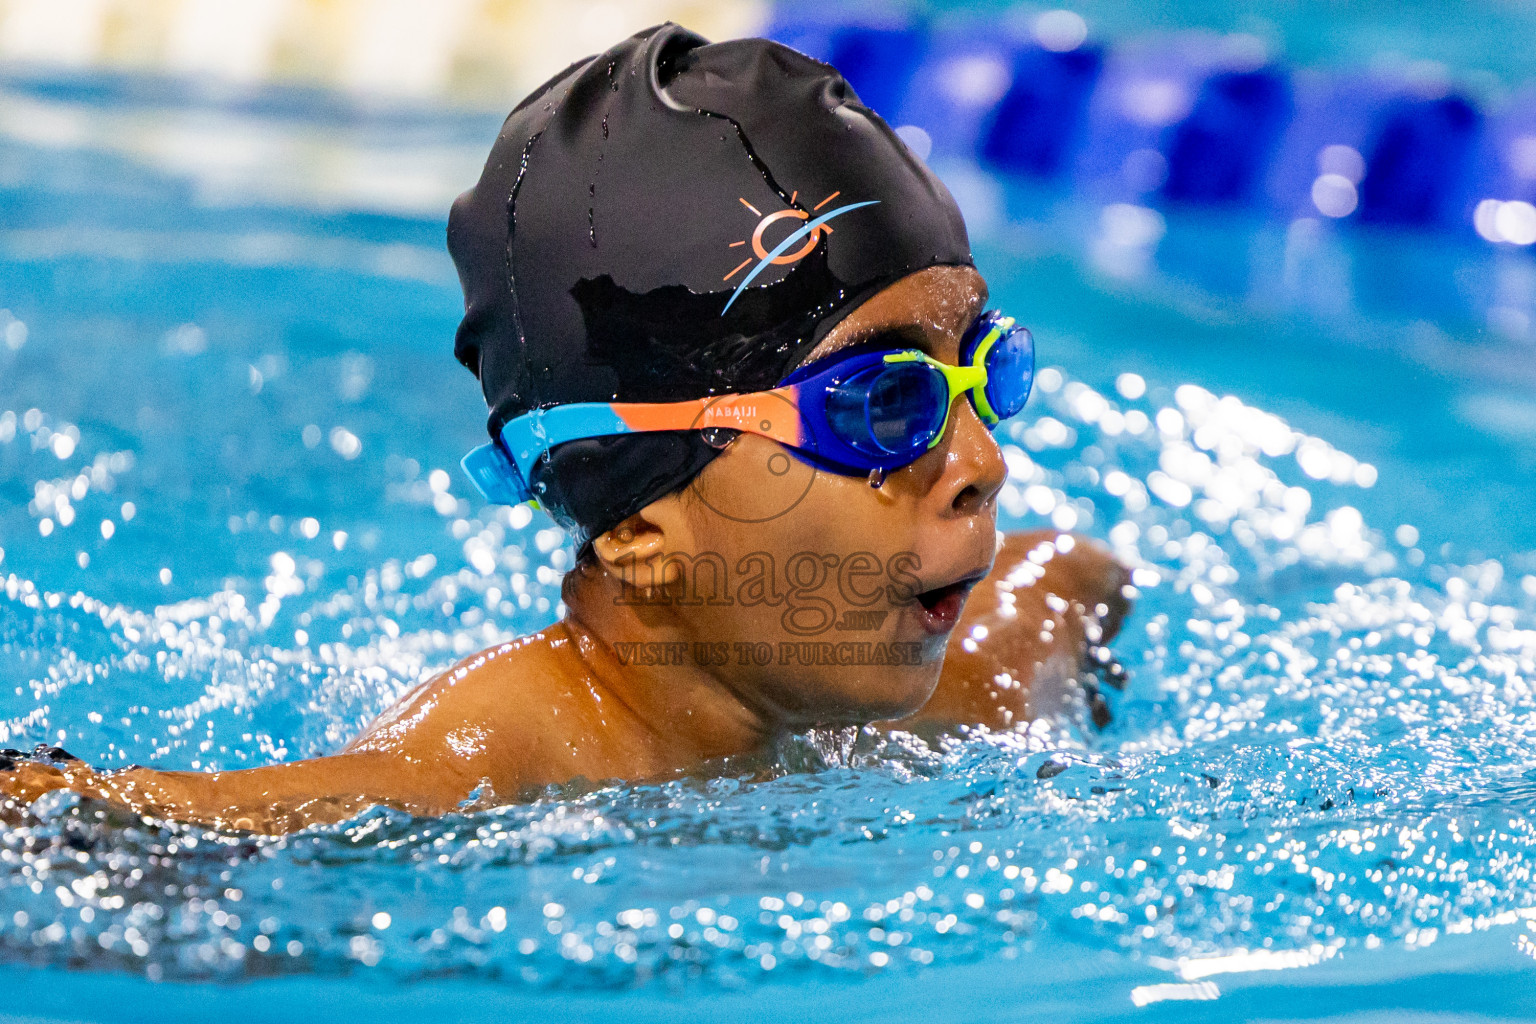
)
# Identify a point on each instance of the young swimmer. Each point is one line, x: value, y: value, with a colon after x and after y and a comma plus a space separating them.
x: 733, y: 341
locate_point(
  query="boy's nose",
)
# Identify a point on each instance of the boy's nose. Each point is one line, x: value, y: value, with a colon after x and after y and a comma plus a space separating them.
x: 973, y: 468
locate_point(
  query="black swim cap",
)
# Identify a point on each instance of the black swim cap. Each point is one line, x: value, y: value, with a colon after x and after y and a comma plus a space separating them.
x: 622, y: 209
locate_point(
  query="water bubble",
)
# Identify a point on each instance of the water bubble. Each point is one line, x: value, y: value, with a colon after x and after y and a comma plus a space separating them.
x: 1334, y: 195
x: 12, y: 331
x: 1060, y: 30
x: 186, y: 340
x: 345, y: 443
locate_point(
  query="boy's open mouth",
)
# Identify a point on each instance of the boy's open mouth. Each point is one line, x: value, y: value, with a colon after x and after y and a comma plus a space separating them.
x: 930, y: 599
x: 941, y: 606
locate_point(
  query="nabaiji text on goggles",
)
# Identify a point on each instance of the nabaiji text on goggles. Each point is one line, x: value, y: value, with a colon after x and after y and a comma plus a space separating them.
x: 868, y: 411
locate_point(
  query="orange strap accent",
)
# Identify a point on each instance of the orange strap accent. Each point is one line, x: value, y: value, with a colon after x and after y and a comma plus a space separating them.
x: 772, y: 414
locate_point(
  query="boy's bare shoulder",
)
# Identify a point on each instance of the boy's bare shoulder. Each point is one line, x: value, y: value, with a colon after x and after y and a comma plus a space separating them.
x: 495, y: 715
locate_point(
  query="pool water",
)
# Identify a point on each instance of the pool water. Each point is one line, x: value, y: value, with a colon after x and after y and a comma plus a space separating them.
x: 233, y: 531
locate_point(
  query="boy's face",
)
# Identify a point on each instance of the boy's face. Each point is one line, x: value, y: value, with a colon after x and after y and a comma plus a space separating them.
x: 831, y: 613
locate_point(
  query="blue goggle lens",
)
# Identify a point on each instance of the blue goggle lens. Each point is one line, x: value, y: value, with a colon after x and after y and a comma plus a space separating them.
x: 1010, y: 372
x: 891, y: 412
x: 887, y: 410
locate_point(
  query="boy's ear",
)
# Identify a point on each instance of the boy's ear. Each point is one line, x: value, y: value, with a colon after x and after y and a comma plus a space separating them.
x: 636, y: 548
x: 628, y: 545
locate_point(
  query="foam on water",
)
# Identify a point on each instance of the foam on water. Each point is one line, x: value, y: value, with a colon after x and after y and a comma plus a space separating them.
x: 1325, y: 746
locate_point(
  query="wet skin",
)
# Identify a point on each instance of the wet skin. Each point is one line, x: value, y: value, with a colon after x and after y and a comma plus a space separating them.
x: 573, y: 701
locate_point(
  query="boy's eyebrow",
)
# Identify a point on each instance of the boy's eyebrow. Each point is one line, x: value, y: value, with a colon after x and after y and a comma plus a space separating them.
x: 871, y: 338
x: 909, y: 335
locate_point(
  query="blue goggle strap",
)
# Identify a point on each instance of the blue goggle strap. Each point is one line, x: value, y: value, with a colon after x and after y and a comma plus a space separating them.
x: 496, y: 468
x: 495, y: 475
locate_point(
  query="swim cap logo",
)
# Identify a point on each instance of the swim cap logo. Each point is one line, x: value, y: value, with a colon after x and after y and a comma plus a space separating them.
x: 805, y: 237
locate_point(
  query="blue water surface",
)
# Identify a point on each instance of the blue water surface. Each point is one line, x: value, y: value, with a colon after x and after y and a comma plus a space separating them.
x: 233, y: 531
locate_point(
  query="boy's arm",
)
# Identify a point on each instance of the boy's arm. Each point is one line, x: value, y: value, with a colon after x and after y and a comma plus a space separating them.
x: 425, y: 754
x: 1039, y: 624
x: 273, y: 799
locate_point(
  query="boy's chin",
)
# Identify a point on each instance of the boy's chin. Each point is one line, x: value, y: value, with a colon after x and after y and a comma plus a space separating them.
x: 862, y: 709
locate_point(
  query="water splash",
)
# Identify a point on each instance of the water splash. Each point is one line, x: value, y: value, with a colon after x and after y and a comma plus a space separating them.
x: 1324, y: 747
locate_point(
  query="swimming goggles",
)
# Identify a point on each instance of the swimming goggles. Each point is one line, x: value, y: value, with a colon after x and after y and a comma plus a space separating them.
x: 850, y: 413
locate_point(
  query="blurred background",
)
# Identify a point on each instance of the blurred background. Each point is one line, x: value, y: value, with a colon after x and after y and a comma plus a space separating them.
x: 1306, y: 116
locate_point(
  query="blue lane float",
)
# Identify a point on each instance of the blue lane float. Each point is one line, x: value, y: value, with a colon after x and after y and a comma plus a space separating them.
x: 1221, y: 151
x: 1038, y: 125
x: 962, y: 76
x: 1418, y: 163
x: 1192, y: 119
